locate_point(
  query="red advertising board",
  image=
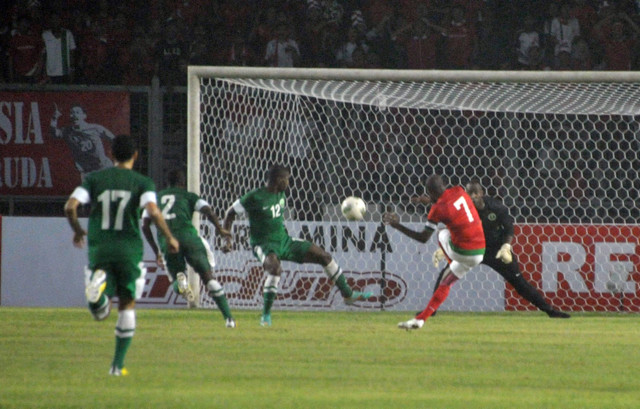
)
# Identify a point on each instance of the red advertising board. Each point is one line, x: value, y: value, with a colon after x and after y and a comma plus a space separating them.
x: 48, y: 140
x: 579, y: 267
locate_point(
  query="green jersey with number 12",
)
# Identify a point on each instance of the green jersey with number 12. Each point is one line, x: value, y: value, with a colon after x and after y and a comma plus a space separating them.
x: 265, y: 211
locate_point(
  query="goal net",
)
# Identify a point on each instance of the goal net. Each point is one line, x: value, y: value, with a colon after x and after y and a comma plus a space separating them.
x: 559, y: 149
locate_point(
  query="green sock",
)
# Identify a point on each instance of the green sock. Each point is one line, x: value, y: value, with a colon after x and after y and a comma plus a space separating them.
x: 269, y: 298
x: 223, y: 305
x: 345, y: 290
x: 122, y: 346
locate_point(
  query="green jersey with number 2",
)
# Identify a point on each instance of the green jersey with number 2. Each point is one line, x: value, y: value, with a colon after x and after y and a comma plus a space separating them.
x: 178, y: 206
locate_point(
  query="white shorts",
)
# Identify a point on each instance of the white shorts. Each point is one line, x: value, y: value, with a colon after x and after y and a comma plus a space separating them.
x: 459, y: 264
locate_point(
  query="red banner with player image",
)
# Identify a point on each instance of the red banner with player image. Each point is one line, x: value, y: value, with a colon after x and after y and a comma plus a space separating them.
x: 579, y: 267
x: 50, y: 140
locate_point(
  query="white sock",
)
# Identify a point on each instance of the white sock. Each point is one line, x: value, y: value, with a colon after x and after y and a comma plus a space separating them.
x: 126, y: 324
x: 332, y: 270
x: 271, y: 284
x: 214, y: 288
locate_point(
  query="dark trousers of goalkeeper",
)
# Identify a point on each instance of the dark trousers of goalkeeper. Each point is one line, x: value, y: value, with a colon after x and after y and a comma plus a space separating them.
x: 512, y: 274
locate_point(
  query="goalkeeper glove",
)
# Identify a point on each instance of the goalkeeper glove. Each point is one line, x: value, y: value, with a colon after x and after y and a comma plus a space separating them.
x: 504, y: 253
x: 438, y: 256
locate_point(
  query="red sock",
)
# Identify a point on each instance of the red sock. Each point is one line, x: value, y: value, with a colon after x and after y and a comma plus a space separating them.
x: 441, y: 294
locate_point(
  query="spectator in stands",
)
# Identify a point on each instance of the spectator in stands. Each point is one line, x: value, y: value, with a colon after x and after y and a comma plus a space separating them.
x: 312, y: 32
x: 419, y: 42
x: 262, y: 29
x: 199, y: 46
x: 94, y: 54
x: 282, y: 50
x: 118, y: 30
x: 563, y: 61
x: 59, y: 53
x: 581, y: 55
x: 586, y: 15
x: 489, y: 55
x: 25, y: 49
x: 528, y: 37
x: 187, y: 10
x: 537, y: 60
x: 168, y: 54
x: 548, y: 43
x: 564, y: 29
x: 380, y: 38
x: 618, y: 36
x: 461, y: 40
x: 329, y: 40
x: 344, y: 52
x: 358, y: 58
x: 137, y: 60
x: 239, y: 52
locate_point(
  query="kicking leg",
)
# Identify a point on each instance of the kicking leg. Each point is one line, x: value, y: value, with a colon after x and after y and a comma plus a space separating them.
x: 317, y: 255
x: 439, y: 296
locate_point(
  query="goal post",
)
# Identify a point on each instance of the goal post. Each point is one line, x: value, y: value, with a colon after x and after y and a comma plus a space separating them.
x: 560, y: 149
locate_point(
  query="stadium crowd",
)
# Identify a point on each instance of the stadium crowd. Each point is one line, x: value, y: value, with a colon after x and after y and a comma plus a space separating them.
x: 128, y: 43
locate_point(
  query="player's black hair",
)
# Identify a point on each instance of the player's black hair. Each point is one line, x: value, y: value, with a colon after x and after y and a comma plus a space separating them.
x: 176, y: 177
x: 435, y: 185
x: 123, y: 148
x: 276, y: 171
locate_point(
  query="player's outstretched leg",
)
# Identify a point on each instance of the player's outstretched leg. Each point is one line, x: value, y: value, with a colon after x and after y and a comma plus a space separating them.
x: 217, y: 293
x: 511, y: 272
x: 334, y: 272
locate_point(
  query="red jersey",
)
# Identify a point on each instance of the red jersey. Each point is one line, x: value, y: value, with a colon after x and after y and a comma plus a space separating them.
x: 25, y: 52
x: 456, y: 210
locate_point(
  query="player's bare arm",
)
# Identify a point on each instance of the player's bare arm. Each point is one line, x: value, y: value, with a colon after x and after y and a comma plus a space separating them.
x: 148, y: 234
x: 71, y: 211
x: 229, y: 218
x: 423, y: 199
x: 393, y: 220
x: 220, y: 230
x: 156, y: 215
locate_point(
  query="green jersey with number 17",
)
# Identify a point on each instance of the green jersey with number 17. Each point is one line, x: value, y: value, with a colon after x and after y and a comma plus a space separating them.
x: 265, y: 211
x: 116, y: 196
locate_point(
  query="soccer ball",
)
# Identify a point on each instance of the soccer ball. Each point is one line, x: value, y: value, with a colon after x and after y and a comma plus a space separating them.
x: 353, y: 208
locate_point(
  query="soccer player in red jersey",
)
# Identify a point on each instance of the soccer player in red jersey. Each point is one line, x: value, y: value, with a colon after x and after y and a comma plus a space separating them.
x: 461, y: 242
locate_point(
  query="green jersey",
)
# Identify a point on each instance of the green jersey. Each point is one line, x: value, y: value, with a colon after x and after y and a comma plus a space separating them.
x: 116, y: 196
x: 265, y: 211
x: 178, y: 206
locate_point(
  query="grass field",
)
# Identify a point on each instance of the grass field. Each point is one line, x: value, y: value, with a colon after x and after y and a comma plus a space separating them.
x: 59, y: 358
